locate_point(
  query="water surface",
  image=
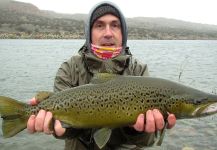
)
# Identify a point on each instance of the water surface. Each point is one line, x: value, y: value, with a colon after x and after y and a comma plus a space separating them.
x: 28, y: 66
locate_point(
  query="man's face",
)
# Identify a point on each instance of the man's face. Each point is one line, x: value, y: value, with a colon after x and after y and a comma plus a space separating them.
x: 106, y: 31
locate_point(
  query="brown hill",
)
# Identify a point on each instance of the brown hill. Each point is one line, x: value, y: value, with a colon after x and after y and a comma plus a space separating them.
x: 24, y: 20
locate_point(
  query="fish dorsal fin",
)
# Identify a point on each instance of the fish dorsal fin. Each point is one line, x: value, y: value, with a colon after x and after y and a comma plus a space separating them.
x: 43, y: 95
x: 102, y: 77
x: 102, y: 136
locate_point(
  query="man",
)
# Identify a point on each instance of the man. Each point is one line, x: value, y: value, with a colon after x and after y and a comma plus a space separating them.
x: 105, y: 50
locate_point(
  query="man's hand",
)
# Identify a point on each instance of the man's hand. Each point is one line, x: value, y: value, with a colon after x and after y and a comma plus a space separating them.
x: 154, y: 121
x: 40, y: 122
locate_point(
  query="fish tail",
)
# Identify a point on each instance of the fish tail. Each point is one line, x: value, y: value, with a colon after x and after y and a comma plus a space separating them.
x: 13, y: 115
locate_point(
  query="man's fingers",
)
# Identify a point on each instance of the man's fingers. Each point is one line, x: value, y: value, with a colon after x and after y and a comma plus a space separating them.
x: 139, y: 125
x: 150, y: 122
x: 59, y: 130
x: 33, y: 101
x: 159, y: 120
x: 31, y: 124
x: 39, y: 120
x: 171, y: 121
x: 47, y: 121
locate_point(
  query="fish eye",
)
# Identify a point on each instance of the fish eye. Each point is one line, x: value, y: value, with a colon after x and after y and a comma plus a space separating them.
x: 199, y: 101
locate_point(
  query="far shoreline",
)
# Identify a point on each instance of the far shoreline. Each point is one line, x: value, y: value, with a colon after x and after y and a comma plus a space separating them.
x: 70, y: 36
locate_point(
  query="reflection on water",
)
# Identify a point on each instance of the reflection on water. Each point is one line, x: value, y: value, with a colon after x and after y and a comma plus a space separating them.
x: 28, y: 66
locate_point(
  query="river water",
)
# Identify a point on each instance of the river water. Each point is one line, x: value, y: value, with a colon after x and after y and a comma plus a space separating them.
x: 28, y: 66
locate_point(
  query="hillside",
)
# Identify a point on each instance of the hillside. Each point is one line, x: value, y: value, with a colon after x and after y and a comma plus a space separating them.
x: 24, y: 20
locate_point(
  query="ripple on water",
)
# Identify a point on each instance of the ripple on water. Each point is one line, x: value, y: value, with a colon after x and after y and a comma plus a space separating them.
x: 3, y: 79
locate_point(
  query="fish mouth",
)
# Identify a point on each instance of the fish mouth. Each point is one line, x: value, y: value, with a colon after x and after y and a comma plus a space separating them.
x: 211, y: 109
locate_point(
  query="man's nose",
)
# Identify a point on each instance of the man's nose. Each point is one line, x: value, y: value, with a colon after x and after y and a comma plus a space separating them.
x: 108, y: 32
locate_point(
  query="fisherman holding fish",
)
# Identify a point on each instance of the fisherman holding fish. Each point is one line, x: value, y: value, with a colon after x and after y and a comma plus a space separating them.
x: 103, y: 98
x: 105, y: 51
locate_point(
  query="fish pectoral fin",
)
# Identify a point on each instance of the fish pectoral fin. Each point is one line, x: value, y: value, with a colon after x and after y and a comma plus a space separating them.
x: 43, y: 95
x: 102, y: 77
x: 102, y: 136
x: 65, y: 125
x: 162, y: 134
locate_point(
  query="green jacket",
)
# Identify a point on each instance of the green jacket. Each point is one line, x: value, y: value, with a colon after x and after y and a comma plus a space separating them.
x: 79, y: 70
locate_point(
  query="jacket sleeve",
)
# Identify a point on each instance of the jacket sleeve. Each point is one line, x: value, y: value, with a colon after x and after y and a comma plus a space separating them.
x: 66, y: 76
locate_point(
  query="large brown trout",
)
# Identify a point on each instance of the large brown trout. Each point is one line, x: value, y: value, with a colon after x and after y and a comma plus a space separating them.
x: 110, y: 101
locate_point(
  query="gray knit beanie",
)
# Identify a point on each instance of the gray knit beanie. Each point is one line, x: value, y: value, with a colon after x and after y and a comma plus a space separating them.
x: 98, y: 11
x: 102, y: 10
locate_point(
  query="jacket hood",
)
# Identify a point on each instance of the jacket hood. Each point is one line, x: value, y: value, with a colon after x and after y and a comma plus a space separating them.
x: 88, y: 24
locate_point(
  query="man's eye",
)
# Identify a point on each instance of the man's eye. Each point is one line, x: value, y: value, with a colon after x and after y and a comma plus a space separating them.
x: 99, y: 25
x: 116, y: 25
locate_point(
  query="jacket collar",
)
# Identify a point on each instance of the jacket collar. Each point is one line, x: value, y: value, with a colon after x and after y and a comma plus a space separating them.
x: 96, y: 65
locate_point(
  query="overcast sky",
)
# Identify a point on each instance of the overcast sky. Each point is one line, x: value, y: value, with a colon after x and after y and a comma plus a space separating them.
x: 200, y: 11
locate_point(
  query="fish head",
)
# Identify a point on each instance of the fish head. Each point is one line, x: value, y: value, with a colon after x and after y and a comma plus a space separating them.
x: 202, y: 107
x: 193, y: 107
